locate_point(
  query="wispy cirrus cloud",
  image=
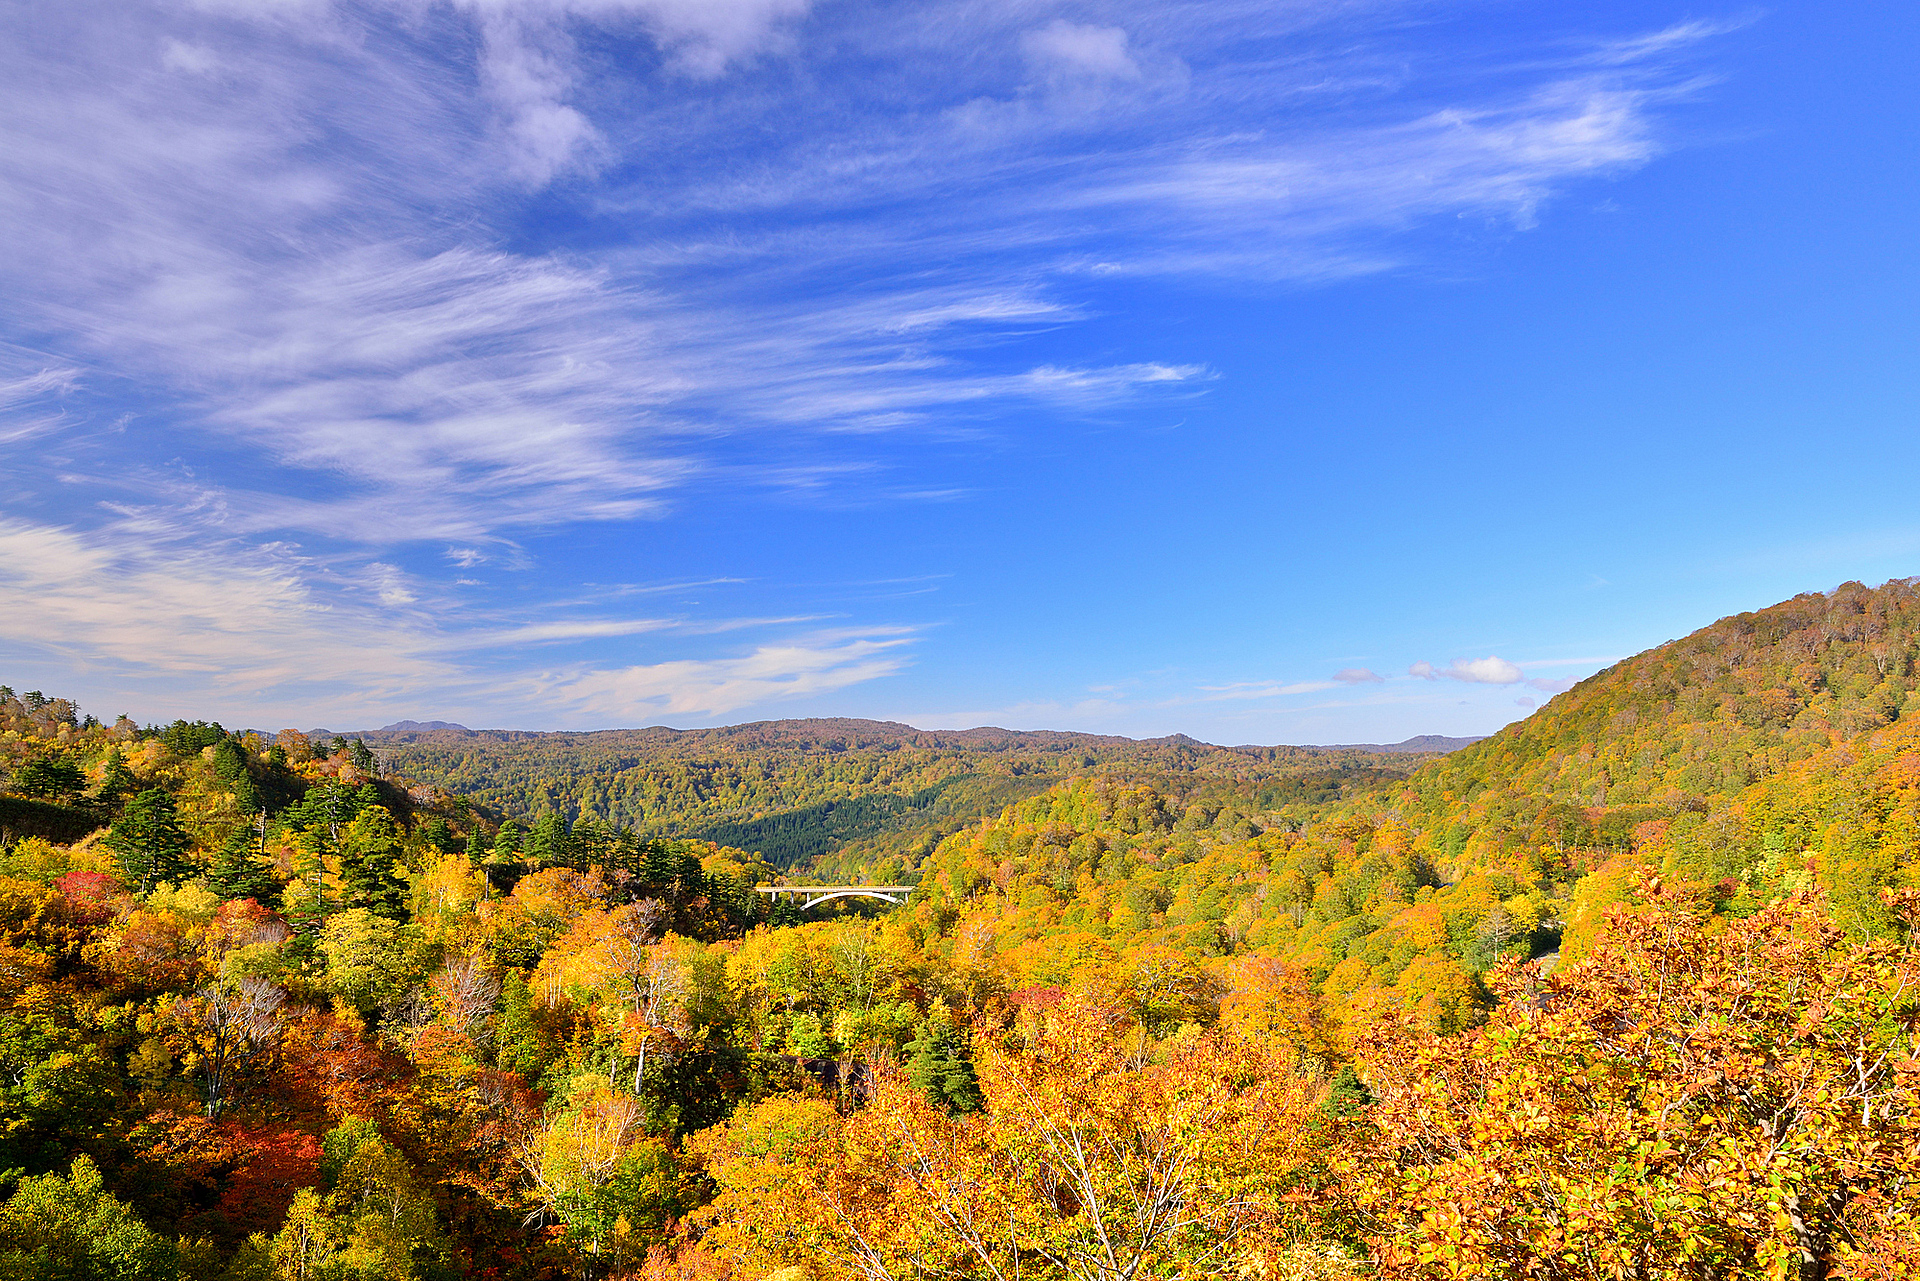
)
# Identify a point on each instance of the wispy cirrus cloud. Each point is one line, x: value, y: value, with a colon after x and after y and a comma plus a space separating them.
x: 188, y: 621
x: 303, y: 268
x: 302, y: 257
x: 712, y: 687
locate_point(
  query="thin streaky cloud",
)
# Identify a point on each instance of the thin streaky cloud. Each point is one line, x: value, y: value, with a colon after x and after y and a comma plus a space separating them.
x: 284, y: 251
x: 1605, y: 660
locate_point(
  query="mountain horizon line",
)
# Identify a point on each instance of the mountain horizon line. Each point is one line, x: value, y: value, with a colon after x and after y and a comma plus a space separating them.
x: 1417, y: 744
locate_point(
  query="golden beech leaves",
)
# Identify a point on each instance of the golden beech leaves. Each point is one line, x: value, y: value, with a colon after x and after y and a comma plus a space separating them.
x: 1701, y: 1098
x: 1274, y: 1000
x: 1099, y: 1156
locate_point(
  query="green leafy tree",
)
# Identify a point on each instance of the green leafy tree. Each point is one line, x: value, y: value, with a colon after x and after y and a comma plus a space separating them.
x: 149, y: 842
x: 603, y: 1180
x: 370, y: 959
x: 361, y: 755
x: 376, y: 1221
x: 71, y: 1228
x: 59, y: 1092
x: 519, y: 1043
x: 807, y: 1038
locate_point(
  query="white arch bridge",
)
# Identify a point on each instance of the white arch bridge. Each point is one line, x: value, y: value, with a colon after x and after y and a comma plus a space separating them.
x: 825, y: 893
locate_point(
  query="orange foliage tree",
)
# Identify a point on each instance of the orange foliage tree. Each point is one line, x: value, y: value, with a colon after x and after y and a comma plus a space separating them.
x: 1701, y: 1098
x: 1086, y: 1163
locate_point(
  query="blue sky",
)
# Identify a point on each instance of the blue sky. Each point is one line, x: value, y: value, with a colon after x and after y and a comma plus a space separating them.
x: 1315, y: 372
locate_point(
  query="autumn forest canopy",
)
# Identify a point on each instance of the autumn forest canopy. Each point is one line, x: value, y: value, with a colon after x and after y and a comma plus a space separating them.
x: 1629, y: 989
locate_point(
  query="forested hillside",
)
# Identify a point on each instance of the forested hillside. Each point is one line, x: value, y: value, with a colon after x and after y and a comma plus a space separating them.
x: 1629, y: 989
x: 862, y: 792
x: 1763, y: 754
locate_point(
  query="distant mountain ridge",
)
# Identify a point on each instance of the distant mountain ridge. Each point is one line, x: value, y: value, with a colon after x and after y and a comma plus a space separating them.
x: 1418, y: 743
x: 794, y: 789
x: 868, y: 733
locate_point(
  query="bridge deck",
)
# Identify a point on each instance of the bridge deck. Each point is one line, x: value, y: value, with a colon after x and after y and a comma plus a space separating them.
x: 895, y: 894
x: 834, y: 889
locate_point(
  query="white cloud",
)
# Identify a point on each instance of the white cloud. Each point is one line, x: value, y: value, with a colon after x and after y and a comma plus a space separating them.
x: 1424, y: 670
x: 715, y: 687
x: 1552, y: 686
x: 1082, y: 50
x: 1357, y: 676
x: 200, y: 613
x: 344, y: 306
x: 197, y: 624
x: 1490, y: 670
x: 31, y: 387
x: 1262, y: 689
x: 527, y: 72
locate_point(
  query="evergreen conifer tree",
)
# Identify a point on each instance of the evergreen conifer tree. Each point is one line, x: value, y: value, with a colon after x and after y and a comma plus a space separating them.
x: 116, y: 780
x: 230, y: 763
x: 939, y: 1065
x: 549, y: 844
x: 367, y: 852
x: 307, y: 899
x: 438, y: 836
x: 51, y: 775
x: 149, y: 842
x: 239, y: 872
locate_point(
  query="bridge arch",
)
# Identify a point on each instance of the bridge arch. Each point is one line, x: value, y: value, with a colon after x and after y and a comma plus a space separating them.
x: 895, y: 894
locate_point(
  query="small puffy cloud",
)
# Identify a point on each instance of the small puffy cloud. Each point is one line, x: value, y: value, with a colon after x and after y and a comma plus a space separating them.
x: 1484, y: 671
x: 1551, y: 687
x: 389, y: 584
x: 1357, y: 676
x: 1077, y: 49
x: 1523, y: 701
x: 1424, y: 670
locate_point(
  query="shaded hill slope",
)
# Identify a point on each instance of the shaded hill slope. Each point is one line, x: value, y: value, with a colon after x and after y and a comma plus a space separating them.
x: 797, y: 790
